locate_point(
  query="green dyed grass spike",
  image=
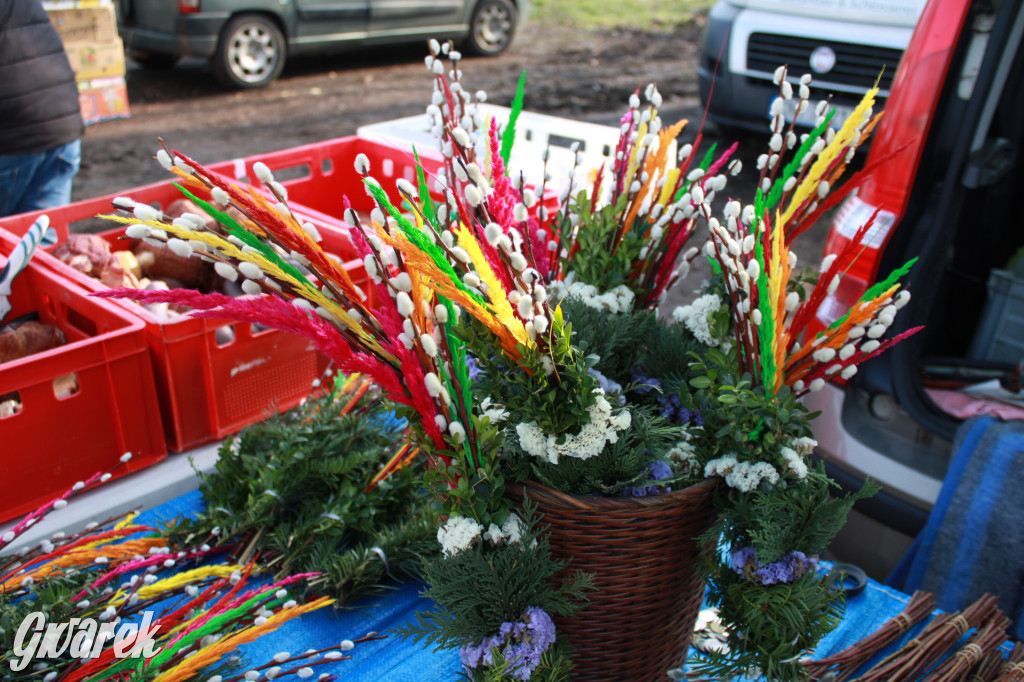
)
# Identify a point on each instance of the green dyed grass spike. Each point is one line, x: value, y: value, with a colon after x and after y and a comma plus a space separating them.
x: 508, y: 137
x: 429, y: 211
x: 716, y: 269
x: 757, y: 430
x: 759, y: 204
x: 878, y: 288
x: 461, y: 377
x: 775, y: 195
x: 236, y: 230
x: 213, y: 626
x: 418, y: 239
x: 709, y: 156
x: 893, y: 277
x: 705, y: 163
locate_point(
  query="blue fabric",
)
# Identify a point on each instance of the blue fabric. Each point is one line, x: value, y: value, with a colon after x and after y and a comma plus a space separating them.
x: 973, y: 542
x: 398, y: 660
x: 392, y: 659
x: 38, y: 180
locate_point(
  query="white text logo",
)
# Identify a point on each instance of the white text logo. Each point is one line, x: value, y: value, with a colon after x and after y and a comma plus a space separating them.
x: 81, y: 638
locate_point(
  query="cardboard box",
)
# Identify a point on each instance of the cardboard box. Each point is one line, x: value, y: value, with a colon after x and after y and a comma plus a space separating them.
x: 72, y: 4
x: 89, y: 60
x: 93, y: 25
x: 103, y: 99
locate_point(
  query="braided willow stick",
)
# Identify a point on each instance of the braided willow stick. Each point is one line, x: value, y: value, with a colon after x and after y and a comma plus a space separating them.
x: 844, y: 663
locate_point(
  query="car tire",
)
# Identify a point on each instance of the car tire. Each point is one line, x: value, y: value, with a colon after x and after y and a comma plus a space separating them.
x: 155, y: 60
x: 250, y: 53
x: 491, y: 28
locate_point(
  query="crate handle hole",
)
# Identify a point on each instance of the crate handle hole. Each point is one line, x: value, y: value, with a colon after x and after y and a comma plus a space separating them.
x: 606, y: 150
x: 567, y: 142
x: 301, y: 171
x: 257, y: 328
x: 81, y: 323
x: 10, y: 404
x: 224, y: 336
x: 65, y: 386
x: 388, y: 167
x: 327, y: 166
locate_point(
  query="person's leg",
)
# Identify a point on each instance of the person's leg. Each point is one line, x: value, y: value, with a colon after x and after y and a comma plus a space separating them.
x: 16, y: 172
x: 50, y: 184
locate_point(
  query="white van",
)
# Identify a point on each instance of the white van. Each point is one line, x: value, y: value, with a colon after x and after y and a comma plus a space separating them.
x: 846, y: 45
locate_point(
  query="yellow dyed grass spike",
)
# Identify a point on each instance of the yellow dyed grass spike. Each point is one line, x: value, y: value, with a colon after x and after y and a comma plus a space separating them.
x: 670, y: 184
x: 190, y: 667
x: 496, y: 294
x: 179, y: 580
x: 126, y: 521
x: 809, y: 187
x: 778, y: 277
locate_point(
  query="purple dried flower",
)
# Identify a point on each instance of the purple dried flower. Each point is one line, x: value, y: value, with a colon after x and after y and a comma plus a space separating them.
x: 648, y: 384
x: 472, y: 369
x: 607, y: 385
x: 521, y: 643
x: 788, y: 569
x: 657, y: 471
x: 741, y: 558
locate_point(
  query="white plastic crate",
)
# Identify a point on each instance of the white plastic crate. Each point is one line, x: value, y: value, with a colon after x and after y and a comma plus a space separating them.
x: 534, y: 133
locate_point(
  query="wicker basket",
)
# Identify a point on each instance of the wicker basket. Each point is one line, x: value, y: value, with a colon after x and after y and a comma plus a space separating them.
x: 646, y: 565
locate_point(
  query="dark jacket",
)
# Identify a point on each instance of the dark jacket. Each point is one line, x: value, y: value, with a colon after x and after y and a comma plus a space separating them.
x: 39, y: 107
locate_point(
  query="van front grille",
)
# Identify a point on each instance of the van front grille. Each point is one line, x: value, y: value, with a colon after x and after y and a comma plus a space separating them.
x: 856, y: 65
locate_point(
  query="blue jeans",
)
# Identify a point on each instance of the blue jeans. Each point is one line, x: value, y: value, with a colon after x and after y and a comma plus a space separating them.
x: 29, y: 182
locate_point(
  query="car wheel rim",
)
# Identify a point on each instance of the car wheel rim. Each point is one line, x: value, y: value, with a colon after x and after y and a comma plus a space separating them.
x: 253, y: 53
x: 493, y: 26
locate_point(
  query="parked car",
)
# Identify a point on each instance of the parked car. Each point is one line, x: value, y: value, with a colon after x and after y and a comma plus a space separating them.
x: 949, y: 169
x: 845, y: 46
x: 248, y: 41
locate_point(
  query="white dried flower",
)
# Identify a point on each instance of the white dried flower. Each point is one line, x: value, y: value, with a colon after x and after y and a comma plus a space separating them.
x: 458, y: 534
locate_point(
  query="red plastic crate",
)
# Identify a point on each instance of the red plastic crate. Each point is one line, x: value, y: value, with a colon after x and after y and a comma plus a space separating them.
x: 207, y: 390
x: 319, y: 175
x: 51, y: 443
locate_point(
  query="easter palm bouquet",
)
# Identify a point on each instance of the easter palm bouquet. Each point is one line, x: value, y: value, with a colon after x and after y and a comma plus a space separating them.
x: 466, y: 321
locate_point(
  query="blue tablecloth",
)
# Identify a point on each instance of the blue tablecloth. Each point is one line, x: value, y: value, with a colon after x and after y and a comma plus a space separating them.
x: 397, y: 660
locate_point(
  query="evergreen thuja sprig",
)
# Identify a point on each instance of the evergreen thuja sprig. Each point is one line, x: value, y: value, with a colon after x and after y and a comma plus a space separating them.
x: 484, y: 586
x: 552, y: 389
x: 770, y: 627
x: 797, y: 515
x: 618, y: 340
x: 296, y: 491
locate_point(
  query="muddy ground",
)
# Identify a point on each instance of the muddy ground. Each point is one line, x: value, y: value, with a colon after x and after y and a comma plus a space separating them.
x: 583, y: 75
x: 571, y: 73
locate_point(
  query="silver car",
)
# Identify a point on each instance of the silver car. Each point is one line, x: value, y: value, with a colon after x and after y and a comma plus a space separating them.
x: 247, y: 41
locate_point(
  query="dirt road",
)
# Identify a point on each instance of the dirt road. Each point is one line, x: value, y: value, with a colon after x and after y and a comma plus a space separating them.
x: 569, y: 73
